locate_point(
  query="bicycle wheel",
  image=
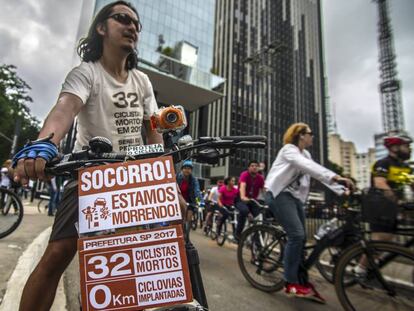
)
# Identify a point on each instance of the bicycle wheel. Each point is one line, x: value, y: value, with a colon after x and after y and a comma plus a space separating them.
x: 12, y: 212
x: 387, y: 284
x: 221, y: 238
x: 213, y: 230
x: 194, y: 220
x: 260, y: 254
x: 327, y: 261
x: 201, y: 219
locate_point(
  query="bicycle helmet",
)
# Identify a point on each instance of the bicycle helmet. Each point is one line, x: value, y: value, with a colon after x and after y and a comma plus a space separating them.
x: 187, y: 163
x: 397, y: 140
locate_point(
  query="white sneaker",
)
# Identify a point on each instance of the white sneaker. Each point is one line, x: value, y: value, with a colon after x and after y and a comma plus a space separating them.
x: 359, y: 271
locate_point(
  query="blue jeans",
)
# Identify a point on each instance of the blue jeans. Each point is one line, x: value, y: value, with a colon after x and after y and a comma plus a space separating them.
x: 290, y: 213
x: 244, y: 210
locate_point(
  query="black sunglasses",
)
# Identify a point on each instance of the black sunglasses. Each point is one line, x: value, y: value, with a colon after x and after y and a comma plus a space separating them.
x: 310, y: 133
x: 126, y: 20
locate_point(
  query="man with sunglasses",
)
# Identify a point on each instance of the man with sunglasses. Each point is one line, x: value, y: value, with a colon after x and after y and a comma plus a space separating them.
x: 111, y: 98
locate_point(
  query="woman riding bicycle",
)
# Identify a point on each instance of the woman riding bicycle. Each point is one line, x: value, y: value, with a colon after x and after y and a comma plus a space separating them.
x: 288, y: 184
x: 227, y: 196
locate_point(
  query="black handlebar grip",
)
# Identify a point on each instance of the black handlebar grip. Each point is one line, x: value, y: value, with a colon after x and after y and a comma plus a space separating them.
x: 245, y: 138
x: 250, y: 144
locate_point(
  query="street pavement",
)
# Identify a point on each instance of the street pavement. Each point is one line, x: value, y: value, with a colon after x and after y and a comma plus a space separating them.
x: 226, y: 288
x: 12, y: 246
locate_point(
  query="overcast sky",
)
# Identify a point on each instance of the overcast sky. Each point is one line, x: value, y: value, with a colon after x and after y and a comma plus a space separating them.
x: 38, y: 36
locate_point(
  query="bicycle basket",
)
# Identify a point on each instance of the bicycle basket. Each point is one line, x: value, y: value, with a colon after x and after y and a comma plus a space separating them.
x: 378, y: 208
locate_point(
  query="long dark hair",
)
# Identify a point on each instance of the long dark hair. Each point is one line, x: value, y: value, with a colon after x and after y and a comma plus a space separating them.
x: 90, y: 49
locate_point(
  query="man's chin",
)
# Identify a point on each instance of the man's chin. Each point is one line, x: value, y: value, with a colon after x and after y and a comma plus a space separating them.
x: 128, y: 48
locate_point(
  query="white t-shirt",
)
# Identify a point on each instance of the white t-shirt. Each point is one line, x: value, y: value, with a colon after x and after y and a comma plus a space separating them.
x: 111, y: 109
x: 214, y: 194
x: 5, y: 180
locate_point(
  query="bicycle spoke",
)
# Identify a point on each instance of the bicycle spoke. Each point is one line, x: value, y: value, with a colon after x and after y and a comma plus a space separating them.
x: 260, y: 258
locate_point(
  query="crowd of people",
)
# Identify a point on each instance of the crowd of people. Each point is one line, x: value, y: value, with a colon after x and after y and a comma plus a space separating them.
x: 225, y: 195
x: 52, y: 188
x: 108, y: 83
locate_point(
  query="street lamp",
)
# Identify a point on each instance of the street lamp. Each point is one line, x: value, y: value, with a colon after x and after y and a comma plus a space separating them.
x: 263, y: 67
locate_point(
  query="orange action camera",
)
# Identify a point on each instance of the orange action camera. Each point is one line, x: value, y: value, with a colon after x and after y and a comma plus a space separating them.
x: 169, y: 118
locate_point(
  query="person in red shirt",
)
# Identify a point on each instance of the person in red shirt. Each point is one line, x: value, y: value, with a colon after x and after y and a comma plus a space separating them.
x: 251, y: 183
x: 227, y: 196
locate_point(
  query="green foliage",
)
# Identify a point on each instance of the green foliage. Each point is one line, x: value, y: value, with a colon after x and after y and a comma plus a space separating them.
x: 14, y: 99
x: 168, y: 51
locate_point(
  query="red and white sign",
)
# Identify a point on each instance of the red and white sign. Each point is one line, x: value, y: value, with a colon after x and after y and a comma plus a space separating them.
x: 127, y: 194
x: 134, y: 271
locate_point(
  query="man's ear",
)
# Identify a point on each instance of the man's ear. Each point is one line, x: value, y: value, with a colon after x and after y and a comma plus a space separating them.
x: 101, y: 29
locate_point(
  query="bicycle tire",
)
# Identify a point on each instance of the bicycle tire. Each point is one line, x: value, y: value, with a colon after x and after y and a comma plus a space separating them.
x: 213, y: 230
x: 343, y: 291
x: 194, y: 221
x: 261, y: 264
x: 221, y: 238
x: 326, y: 266
x: 18, y: 207
x: 201, y: 219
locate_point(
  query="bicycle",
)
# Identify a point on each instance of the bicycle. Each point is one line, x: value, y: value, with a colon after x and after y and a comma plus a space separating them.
x: 232, y: 220
x: 198, y: 217
x: 9, y: 221
x: 205, y: 149
x: 389, y: 272
x: 43, y: 204
x: 261, y: 248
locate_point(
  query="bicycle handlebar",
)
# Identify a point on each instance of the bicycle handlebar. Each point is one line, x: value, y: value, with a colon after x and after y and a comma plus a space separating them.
x: 69, y: 163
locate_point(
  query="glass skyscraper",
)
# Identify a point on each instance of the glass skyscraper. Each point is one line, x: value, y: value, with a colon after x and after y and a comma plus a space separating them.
x: 270, y: 52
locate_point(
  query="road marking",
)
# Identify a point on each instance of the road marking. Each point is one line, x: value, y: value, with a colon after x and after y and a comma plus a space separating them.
x: 25, y: 265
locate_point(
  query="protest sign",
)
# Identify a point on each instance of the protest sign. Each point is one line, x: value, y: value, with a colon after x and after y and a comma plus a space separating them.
x: 134, y: 271
x: 127, y: 194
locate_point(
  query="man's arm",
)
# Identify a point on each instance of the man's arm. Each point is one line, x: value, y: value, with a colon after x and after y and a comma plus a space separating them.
x: 219, y: 202
x: 197, y: 190
x: 153, y: 137
x: 242, y: 191
x: 58, y: 122
x: 210, y: 195
x: 381, y: 183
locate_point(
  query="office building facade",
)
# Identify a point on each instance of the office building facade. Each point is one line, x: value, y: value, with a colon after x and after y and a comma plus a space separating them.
x: 364, y: 163
x: 270, y: 53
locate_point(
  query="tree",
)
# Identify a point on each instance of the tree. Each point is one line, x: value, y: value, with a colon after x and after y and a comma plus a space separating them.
x: 14, y: 100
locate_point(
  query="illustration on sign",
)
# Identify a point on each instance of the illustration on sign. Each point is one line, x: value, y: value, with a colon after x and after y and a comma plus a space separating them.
x: 92, y: 214
x: 128, y: 194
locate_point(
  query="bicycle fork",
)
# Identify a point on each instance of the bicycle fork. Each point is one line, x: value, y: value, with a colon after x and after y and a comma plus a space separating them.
x: 195, y: 274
